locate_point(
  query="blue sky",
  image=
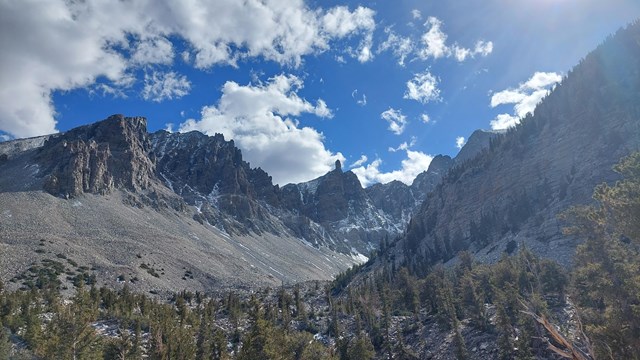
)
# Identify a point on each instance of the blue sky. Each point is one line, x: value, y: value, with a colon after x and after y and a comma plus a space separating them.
x: 381, y: 85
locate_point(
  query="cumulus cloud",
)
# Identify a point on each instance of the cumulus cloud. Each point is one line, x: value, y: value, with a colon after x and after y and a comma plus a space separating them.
x: 423, y: 87
x: 425, y: 118
x: 340, y: 22
x: 460, y: 141
x: 434, y: 40
x: 416, y: 14
x: 415, y: 163
x: 397, y: 121
x: 399, y: 45
x: 432, y: 44
x: 259, y: 119
x: 524, y: 98
x: 66, y: 45
x: 482, y: 48
x: 156, y: 50
x: 160, y: 86
x: 435, y: 46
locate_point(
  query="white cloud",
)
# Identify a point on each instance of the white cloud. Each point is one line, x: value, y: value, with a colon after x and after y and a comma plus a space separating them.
x: 363, y: 159
x: 364, y: 53
x: 541, y: 80
x: 160, y: 86
x: 423, y: 88
x: 404, y: 146
x: 401, y: 46
x: 525, y: 98
x: 425, y: 118
x: 435, y: 44
x: 508, y: 96
x: 5, y: 137
x: 258, y: 119
x: 340, y: 22
x: 483, y: 48
x: 65, y: 45
x: 156, y: 50
x: 460, y: 141
x: 415, y: 163
x: 434, y: 40
x: 186, y: 56
x: 504, y: 121
x: 360, y: 101
x: 397, y: 121
x: 416, y: 14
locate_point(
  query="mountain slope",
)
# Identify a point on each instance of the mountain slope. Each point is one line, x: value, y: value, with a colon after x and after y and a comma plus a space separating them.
x: 104, y: 207
x: 513, y: 192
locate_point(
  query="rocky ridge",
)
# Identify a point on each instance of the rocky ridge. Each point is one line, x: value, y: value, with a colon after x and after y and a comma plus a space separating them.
x: 208, y: 173
x: 98, y: 158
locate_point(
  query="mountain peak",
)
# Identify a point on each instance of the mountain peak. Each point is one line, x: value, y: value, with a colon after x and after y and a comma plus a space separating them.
x: 338, y: 165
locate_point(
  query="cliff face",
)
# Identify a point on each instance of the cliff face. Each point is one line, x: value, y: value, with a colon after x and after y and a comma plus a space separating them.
x: 98, y: 158
x: 512, y: 193
x: 209, y: 173
x: 332, y: 210
x: 479, y: 141
x: 338, y: 203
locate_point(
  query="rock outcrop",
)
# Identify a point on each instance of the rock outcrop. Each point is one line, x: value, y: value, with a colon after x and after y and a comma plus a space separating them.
x: 208, y: 172
x: 98, y: 158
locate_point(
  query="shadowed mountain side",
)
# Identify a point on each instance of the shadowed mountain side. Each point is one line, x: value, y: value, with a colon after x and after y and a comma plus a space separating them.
x: 513, y: 191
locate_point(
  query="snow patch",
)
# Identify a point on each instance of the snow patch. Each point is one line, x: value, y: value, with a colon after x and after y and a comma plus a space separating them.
x: 355, y: 255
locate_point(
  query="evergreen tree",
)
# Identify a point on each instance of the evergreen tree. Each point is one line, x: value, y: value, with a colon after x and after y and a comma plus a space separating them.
x: 505, y: 330
x: 459, y: 344
x: 606, y: 277
x: 360, y: 348
x: 5, y: 344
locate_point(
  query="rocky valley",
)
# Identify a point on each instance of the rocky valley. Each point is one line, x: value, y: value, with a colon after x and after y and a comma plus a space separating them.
x: 171, y: 245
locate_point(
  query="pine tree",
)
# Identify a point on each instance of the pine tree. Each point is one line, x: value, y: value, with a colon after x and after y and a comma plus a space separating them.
x: 205, y: 342
x: 360, y: 348
x: 301, y: 312
x: 458, y: 343
x: 606, y: 277
x: 505, y: 330
x: 219, y: 346
x: 5, y: 344
x: 33, y: 324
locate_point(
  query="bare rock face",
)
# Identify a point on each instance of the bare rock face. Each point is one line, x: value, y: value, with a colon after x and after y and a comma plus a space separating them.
x: 208, y: 172
x: 98, y: 158
x: 479, y: 141
x: 337, y: 202
x: 426, y: 181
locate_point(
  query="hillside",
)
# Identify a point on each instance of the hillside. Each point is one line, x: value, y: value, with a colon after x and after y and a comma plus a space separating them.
x: 512, y: 193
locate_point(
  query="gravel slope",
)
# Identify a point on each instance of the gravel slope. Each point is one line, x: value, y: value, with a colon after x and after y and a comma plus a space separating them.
x: 114, y: 240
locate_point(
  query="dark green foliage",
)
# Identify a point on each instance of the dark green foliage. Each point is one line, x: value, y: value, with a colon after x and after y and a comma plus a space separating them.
x: 344, y: 278
x: 606, y: 278
x: 360, y: 348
